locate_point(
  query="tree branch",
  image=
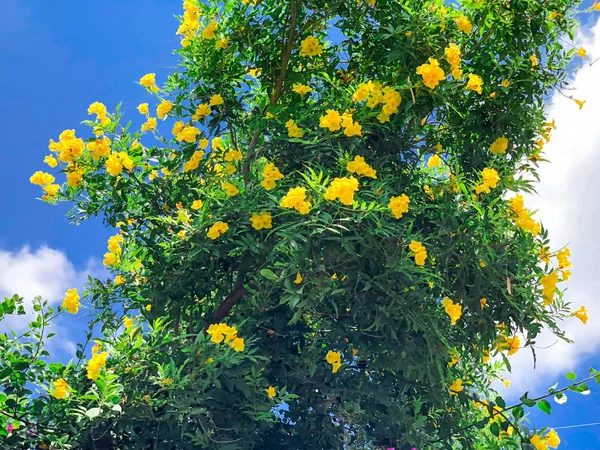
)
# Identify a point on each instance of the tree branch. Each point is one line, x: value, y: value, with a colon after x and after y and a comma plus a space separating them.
x: 236, y: 294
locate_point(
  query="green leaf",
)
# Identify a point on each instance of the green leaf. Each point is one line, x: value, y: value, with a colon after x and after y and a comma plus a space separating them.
x: 570, y: 376
x: 500, y: 402
x: 92, y: 413
x: 269, y: 274
x: 518, y: 412
x: 545, y: 406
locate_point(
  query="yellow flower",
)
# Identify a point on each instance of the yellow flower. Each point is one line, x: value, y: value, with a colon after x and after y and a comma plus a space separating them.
x: 301, y: 89
x: 360, y: 167
x: 149, y: 125
x: 475, y: 83
x: 203, y: 110
x: 197, y: 204
x: 238, y: 344
x: 580, y: 103
x: 489, y: 180
x: 548, y: 283
x: 188, y: 134
x: 262, y: 220
x: 230, y: 189
x: 455, y: 357
x: 310, y: 47
x: 335, y: 359
x: 217, y: 230
x: 271, y: 391
x: 71, y: 301
x: 128, y: 322
x: 499, y: 146
x: 581, y: 52
x: 74, y: 176
x: 110, y: 259
x: 454, y: 310
x: 51, y: 161
x: 505, y: 83
x: 143, y: 108
x: 534, y: 61
x: 361, y: 93
x: 222, y: 43
x: 296, y: 199
x: 353, y: 129
x: 581, y: 314
x: 298, y: 278
x: 419, y: 252
x: 114, y: 243
x: 538, y: 442
x: 99, y: 148
x: 456, y: 387
x: 216, y: 100
x: 431, y: 73
x: 506, y: 382
x: 399, y: 205
x: 69, y: 147
x: 61, y: 389
x: 463, y: 24
x: 149, y: 81
x: 434, y: 161
x: 452, y: 55
x: 148, y: 307
x: 332, y: 120
x: 119, y: 279
x: 209, y: 31
x: 342, y: 189
x: 270, y: 174
x: 163, y: 109
x: 511, y: 344
x: 552, y: 439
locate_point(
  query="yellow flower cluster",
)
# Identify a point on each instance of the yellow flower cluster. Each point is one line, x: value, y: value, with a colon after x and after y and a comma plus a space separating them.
x: 335, y: 359
x: 46, y: 181
x: 522, y: 216
x: 203, y: 110
x: 549, y: 283
x: 117, y: 161
x: 581, y: 314
x: 69, y: 147
x: 294, y: 130
x: 399, y: 205
x: 220, y: 332
x: 512, y: 344
x: 163, y: 109
x: 230, y: 189
x: 271, y: 175
x: 475, y: 83
x: 463, y: 24
x: 96, y: 364
x: 332, y: 120
x: 217, y: 230
x: 374, y: 93
x: 452, y: 54
x: 434, y: 161
x: 419, y: 252
x: 99, y: 148
x: 113, y: 256
x: 61, y: 389
x: 296, y: 198
x: 190, y: 23
x: 187, y: 133
x: 489, y: 180
x: 563, y: 259
x: 194, y: 161
x: 454, y: 358
x: 100, y: 110
x: 342, y: 189
x: 499, y: 146
x: 551, y: 439
x: 360, y: 167
x: 261, y: 220
x: 454, y: 310
x: 71, y: 301
x: 310, y: 47
x: 431, y: 72
x: 74, y: 175
x: 149, y: 125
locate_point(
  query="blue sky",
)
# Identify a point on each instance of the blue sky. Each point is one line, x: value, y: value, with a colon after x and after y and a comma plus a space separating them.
x: 59, y: 57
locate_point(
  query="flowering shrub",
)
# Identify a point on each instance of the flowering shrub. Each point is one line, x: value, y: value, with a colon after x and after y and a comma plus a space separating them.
x: 319, y: 237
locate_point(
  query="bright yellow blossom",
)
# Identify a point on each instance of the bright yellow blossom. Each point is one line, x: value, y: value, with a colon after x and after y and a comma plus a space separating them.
x: 419, y: 252
x: 61, y: 389
x: 163, y: 109
x: 454, y: 310
x: 310, y: 47
x: 261, y: 220
x: 71, y: 301
x: 431, y: 72
x: 463, y: 24
x: 216, y: 100
x: 271, y: 392
x: 335, y: 359
x: 581, y: 314
x: 399, y: 205
x: 301, y: 89
x: 342, y: 189
x: 296, y: 198
x: 499, y: 146
x: 475, y: 83
x: 217, y: 230
x: 456, y: 387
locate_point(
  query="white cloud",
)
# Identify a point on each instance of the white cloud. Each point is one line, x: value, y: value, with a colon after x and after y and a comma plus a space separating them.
x: 44, y: 272
x: 568, y: 206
